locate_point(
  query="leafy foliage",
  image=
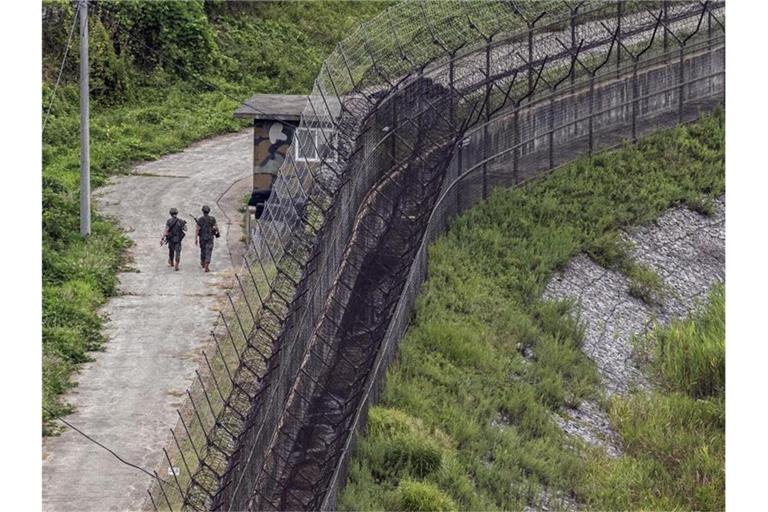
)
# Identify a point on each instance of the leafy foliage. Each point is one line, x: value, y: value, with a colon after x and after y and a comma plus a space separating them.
x: 486, y: 363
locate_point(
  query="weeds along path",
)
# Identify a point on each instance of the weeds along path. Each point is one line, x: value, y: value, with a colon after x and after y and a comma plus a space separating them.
x: 128, y: 395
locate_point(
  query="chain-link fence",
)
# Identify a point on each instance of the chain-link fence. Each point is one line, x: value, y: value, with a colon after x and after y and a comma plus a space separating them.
x: 414, y: 118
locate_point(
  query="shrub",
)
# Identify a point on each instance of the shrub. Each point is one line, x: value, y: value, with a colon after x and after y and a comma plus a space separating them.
x: 645, y: 284
x: 422, y: 496
x: 610, y: 251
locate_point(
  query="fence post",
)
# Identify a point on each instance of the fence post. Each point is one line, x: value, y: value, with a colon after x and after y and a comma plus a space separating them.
x: 551, y: 133
x: 393, y: 151
x: 681, y: 78
x: 666, y: 16
x: 634, y: 102
x: 451, y: 80
x: 619, y: 14
x: 516, y: 141
x: 573, y: 41
x: 486, y: 144
x: 530, y: 58
x: 591, y: 110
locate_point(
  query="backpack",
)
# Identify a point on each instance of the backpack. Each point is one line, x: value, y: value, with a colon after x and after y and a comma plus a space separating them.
x: 176, y: 230
x: 207, y: 227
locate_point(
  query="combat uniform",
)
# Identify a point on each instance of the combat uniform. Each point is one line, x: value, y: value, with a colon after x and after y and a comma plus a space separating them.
x: 174, y: 228
x: 207, y: 230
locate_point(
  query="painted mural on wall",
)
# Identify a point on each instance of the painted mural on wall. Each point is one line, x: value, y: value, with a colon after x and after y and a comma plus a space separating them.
x: 271, y: 140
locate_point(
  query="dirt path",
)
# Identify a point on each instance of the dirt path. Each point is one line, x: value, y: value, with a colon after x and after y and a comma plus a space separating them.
x: 126, y: 399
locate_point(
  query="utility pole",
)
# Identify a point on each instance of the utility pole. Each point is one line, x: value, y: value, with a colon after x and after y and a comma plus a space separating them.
x: 85, y: 132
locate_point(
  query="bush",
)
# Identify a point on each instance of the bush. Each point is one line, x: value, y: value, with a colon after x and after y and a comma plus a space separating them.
x: 403, y: 446
x: 645, y: 284
x: 610, y: 251
x: 422, y: 496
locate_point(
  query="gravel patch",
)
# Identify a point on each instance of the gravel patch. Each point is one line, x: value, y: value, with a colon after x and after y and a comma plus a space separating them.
x: 687, y: 251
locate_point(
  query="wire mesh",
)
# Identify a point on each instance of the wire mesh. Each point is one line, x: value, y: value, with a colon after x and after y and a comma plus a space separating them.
x: 416, y: 117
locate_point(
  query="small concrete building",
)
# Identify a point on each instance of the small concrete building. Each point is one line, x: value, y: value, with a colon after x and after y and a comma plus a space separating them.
x: 275, y: 119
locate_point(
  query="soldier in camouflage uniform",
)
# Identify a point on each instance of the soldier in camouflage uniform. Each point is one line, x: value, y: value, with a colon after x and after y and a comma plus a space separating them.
x: 206, y: 231
x: 173, y: 235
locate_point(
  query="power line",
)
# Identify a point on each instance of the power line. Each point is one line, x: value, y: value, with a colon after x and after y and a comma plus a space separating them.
x: 96, y: 442
x: 61, y: 67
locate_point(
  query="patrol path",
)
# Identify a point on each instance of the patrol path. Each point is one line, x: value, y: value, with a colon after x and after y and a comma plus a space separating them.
x: 127, y: 398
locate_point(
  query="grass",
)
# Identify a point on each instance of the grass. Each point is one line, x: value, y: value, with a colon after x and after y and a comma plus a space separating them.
x: 268, y: 48
x: 674, y: 437
x: 613, y: 251
x: 486, y: 363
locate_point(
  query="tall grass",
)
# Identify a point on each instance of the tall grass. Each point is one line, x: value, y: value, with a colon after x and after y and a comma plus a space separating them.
x: 690, y: 356
x: 674, y: 438
x: 486, y: 363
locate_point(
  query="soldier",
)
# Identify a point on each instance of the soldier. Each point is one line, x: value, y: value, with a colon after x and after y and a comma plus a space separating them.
x: 206, y: 231
x: 173, y: 235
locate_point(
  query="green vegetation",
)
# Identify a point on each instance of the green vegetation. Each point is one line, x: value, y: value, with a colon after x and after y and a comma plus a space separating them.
x: 163, y: 74
x: 690, y: 356
x: 467, y: 408
x: 674, y: 438
x: 613, y: 252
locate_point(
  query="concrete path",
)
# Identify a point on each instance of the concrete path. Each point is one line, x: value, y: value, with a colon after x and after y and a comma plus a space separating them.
x: 126, y: 399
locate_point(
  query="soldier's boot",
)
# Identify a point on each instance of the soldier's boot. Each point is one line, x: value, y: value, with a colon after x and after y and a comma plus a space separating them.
x: 206, y: 267
x: 202, y: 264
x: 170, y: 263
x: 177, y: 266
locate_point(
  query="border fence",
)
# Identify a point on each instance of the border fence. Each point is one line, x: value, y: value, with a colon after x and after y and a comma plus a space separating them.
x: 421, y: 113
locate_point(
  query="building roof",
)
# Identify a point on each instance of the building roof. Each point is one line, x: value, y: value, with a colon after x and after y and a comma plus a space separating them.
x: 281, y: 107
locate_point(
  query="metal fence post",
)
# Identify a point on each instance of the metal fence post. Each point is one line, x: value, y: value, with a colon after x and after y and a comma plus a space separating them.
x: 486, y: 144
x: 591, y: 110
x: 681, y: 79
x: 573, y: 42
x: 619, y: 14
x: 516, y: 142
x: 666, y: 17
x: 530, y: 56
x: 634, y: 102
x: 551, y: 133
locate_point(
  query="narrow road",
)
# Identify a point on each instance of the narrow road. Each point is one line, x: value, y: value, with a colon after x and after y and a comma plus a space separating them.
x: 126, y: 399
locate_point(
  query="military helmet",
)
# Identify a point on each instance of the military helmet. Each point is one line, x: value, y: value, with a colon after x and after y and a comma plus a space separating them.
x: 206, y: 209
x: 173, y: 211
